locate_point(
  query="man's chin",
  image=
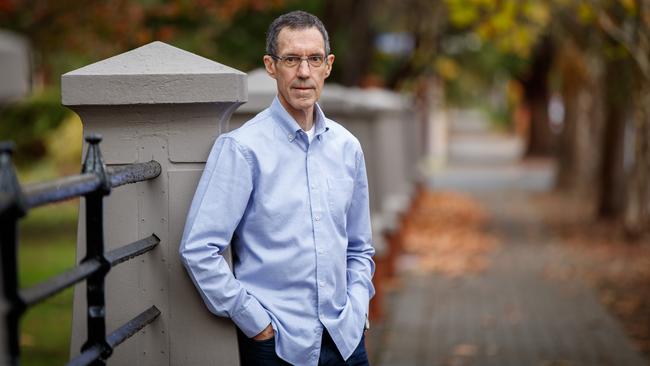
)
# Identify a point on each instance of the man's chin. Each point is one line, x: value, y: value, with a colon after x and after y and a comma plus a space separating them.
x: 303, y: 103
x: 300, y: 96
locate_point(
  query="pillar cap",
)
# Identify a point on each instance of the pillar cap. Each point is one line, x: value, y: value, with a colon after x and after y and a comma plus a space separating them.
x: 156, y: 73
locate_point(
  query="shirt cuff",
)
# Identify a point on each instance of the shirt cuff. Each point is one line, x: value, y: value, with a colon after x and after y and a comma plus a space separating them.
x: 252, y: 319
x: 360, y: 294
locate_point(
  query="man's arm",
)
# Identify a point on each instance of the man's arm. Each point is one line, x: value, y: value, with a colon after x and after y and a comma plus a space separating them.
x: 218, y: 205
x: 360, y: 266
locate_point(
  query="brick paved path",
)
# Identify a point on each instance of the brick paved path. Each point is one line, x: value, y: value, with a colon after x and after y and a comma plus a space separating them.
x: 513, y: 314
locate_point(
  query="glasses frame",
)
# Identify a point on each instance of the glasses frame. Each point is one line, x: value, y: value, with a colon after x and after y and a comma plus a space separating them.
x: 283, y: 60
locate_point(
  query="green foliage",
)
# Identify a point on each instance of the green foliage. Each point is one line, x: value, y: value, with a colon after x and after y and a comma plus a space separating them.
x: 512, y: 25
x: 45, y: 336
x: 27, y: 123
x: 242, y: 43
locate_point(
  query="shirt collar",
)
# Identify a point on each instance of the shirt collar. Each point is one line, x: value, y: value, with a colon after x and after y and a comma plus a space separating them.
x: 289, y: 124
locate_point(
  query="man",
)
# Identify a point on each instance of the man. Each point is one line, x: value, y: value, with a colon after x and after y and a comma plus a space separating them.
x: 289, y: 190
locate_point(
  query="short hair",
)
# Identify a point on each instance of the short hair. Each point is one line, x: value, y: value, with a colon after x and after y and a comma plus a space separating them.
x: 296, y: 19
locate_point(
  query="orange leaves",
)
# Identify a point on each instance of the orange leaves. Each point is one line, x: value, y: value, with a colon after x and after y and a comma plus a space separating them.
x: 446, y: 232
x: 7, y: 5
x: 228, y: 8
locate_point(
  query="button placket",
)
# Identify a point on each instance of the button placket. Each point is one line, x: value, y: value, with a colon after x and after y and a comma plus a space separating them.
x: 312, y: 177
x: 316, y: 200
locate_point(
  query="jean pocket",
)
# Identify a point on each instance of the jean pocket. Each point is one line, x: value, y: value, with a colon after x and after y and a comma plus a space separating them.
x: 259, y: 352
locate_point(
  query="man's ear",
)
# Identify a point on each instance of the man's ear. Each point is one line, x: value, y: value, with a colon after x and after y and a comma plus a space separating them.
x: 330, y: 61
x: 269, y: 65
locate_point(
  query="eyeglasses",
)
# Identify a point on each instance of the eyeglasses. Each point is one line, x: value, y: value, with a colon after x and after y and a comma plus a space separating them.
x: 293, y: 61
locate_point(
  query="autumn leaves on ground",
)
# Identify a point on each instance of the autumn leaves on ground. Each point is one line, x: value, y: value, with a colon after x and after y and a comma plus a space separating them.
x: 447, y: 233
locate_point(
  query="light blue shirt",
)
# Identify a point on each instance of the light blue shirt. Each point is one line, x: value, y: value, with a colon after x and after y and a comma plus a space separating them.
x: 298, y: 218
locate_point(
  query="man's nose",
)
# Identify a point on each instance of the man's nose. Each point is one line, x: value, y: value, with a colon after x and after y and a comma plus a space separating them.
x: 304, y: 70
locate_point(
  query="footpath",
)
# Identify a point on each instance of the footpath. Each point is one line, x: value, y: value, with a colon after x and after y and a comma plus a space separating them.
x: 513, y: 313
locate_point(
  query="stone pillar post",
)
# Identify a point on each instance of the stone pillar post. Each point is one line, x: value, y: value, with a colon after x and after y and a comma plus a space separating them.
x: 379, y: 119
x: 15, y: 70
x: 391, y: 120
x: 155, y: 102
x: 438, y: 125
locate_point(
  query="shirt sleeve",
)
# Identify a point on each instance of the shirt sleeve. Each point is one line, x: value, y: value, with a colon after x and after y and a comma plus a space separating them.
x: 218, y: 205
x: 360, y: 266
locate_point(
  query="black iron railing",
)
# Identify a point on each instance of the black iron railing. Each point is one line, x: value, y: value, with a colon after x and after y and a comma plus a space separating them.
x: 94, y: 182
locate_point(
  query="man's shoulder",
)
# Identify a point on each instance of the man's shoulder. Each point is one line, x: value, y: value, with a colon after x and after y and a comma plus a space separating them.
x: 253, y: 129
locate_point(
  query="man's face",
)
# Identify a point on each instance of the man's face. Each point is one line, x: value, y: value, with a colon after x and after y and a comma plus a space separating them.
x: 299, y: 87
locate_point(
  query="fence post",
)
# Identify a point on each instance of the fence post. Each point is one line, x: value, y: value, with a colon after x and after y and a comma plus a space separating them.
x: 12, y: 305
x: 155, y: 102
x: 95, y: 284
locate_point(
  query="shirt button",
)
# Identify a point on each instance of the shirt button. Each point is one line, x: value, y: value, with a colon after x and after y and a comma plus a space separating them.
x: 321, y: 251
x: 290, y: 136
x: 317, y: 218
x: 313, y: 186
x: 321, y: 283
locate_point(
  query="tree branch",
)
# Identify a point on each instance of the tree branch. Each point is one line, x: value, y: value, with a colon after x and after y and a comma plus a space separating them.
x: 638, y: 50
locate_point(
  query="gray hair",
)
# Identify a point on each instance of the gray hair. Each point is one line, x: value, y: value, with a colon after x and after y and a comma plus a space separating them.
x: 297, y: 19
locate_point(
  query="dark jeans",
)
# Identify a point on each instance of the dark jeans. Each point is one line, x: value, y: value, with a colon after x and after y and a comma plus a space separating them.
x: 262, y: 353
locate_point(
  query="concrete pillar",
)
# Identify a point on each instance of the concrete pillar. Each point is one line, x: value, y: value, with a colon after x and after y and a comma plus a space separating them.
x: 437, y: 120
x: 392, y: 119
x: 15, y: 67
x: 155, y: 102
x: 380, y: 120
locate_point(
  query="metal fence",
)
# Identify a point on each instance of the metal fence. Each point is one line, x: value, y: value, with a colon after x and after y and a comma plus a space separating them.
x: 95, y: 182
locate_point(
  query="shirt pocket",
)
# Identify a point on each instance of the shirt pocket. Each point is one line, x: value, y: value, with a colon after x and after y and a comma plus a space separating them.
x: 339, y: 197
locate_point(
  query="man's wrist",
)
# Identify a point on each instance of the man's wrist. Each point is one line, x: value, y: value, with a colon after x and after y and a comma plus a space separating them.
x: 267, y: 333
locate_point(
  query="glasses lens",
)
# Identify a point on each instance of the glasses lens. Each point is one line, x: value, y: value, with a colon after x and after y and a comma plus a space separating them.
x: 291, y: 61
x: 315, y: 61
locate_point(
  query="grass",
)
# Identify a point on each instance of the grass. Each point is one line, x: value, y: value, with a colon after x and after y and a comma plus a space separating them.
x: 46, y: 248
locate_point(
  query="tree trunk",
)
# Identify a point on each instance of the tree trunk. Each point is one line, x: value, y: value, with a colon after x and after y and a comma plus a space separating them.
x: 612, y: 172
x: 348, y: 23
x: 572, y: 70
x: 540, y: 141
x: 579, y: 148
x: 636, y: 210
